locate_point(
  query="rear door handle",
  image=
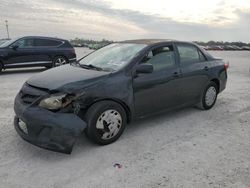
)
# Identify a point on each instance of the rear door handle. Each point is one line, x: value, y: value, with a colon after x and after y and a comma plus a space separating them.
x: 206, y: 68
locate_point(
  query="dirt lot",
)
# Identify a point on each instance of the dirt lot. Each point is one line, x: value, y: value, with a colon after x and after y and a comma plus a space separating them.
x: 186, y: 148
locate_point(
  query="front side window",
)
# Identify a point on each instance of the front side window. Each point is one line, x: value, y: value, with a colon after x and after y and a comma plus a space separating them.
x: 161, y: 58
x: 24, y: 43
x: 113, y: 57
x: 188, y: 54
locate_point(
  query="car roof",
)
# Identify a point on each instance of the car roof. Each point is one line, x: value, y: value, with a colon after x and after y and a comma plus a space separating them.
x: 153, y: 41
x: 147, y: 41
x: 42, y: 37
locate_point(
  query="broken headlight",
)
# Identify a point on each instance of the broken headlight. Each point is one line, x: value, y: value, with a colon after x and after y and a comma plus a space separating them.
x: 55, y: 102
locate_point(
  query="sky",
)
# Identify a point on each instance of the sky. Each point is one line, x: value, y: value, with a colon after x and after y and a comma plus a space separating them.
x: 189, y: 20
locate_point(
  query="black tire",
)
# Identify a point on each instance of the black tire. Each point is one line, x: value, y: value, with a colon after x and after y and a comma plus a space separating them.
x: 92, y: 117
x: 56, y: 61
x: 1, y: 67
x: 203, y: 104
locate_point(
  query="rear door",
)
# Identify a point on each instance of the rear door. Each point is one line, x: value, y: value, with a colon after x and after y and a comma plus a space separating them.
x: 195, y: 72
x: 46, y: 49
x: 158, y: 90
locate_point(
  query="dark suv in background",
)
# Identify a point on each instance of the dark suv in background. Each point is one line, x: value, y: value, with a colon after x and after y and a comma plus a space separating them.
x: 35, y: 51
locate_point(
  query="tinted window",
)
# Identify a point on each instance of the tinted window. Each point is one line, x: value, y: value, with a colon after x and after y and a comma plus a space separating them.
x: 161, y: 58
x: 24, y: 43
x: 46, y: 42
x: 188, y: 53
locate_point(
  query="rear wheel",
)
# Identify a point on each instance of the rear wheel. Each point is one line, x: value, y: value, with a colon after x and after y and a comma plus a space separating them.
x: 106, y: 122
x: 59, y: 60
x: 209, y: 96
x: 1, y: 67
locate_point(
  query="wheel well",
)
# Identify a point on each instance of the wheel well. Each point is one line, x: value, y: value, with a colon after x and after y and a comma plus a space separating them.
x: 60, y: 56
x: 1, y: 63
x: 217, y: 82
x: 124, y: 105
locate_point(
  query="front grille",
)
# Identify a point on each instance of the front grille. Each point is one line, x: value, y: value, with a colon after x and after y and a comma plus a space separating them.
x: 30, y: 94
x: 29, y: 99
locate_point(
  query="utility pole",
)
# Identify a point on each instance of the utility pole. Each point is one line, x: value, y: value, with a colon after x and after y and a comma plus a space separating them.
x: 7, y: 28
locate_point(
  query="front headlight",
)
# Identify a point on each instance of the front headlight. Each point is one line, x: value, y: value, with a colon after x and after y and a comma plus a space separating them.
x: 54, y: 102
x: 57, y: 101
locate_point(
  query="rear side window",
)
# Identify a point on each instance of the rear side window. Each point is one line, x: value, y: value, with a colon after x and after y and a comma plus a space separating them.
x: 47, y: 43
x: 190, y: 54
x: 67, y: 45
x: 161, y: 58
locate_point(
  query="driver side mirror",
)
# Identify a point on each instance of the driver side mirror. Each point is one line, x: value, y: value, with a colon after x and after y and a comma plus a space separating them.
x: 145, y: 59
x: 144, y: 68
x: 14, y: 47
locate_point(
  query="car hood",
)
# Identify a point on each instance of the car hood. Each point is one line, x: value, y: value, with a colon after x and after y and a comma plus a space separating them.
x: 2, y: 51
x: 66, y: 75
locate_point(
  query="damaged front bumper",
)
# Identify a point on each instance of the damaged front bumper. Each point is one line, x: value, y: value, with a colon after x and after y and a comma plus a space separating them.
x: 46, y: 129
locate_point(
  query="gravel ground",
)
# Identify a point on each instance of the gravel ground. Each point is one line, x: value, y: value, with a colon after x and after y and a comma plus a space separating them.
x: 185, y: 148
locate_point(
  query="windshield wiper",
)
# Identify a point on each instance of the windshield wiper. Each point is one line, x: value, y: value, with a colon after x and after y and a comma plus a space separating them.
x: 90, y: 66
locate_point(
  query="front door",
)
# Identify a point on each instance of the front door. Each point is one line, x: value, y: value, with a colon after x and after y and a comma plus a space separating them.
x: 158, y: 90
x: 22, y: 53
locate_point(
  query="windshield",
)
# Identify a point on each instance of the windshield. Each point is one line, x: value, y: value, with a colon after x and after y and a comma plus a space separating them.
x: 6, y: 43
x: 2, y: 41
x: 112, y: 57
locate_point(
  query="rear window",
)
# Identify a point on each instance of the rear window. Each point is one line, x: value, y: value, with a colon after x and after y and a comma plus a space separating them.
x: 46, y: 43
x: 202, y: 57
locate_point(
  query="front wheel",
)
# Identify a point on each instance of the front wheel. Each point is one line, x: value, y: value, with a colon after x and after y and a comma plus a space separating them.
x: 106, y: 122
x: 60, y: 60
x: 209, y: 96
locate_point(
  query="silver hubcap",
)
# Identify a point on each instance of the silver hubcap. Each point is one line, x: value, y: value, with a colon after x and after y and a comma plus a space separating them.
x: 210, y: 96
x: 60, y: 61
x: 109, y: 123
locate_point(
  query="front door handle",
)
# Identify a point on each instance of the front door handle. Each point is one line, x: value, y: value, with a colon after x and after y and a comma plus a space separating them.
x: 176, y: 74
